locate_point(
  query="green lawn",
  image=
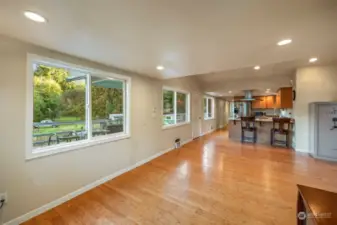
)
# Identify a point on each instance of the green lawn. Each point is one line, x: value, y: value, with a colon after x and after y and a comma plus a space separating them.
x: 67, y: 119
x: 66, y: 127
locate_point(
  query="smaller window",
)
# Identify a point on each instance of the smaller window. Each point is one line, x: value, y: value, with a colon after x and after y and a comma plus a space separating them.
x: 208, y: 108
x: 175, y: 107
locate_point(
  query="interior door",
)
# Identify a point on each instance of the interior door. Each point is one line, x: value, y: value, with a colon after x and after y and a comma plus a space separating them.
x: 196, y: 115
x: 327, y: 131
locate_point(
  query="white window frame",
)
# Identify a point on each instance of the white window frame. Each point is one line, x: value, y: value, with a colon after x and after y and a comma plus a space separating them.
x: 31, y: 152
x: 206, y: 117
x: 188, y: 106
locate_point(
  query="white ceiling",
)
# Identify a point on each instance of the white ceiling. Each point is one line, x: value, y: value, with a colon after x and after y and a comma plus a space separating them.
x: 272, y: 76
x: 188, y: 37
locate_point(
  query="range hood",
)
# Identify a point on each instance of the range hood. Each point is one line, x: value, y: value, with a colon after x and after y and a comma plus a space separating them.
x: 248, y: 96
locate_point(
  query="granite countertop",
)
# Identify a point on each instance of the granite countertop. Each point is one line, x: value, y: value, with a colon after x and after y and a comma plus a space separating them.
x: 257, y: 119
x: 265, y: 119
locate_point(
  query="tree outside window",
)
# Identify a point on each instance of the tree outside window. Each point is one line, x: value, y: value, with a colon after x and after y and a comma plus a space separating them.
x: 175, y: 107
x: 60, y: 99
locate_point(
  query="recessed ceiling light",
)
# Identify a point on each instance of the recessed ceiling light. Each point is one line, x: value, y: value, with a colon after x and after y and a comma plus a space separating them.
x: 35, y: 17
x: 160, y: 67
x: 230, y: 92
x: 313, y: 60
x: 256, y: 67
x: 284, y: 42
x: 268, y: 89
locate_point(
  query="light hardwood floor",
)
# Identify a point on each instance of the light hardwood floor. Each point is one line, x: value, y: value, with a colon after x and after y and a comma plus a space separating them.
x: 209, y: 181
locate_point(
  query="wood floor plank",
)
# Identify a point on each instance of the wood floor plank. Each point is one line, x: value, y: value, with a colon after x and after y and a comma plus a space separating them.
x: 211, y: 180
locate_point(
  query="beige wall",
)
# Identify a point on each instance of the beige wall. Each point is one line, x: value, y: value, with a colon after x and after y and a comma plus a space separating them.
x: 312, y: 84
x: 220, y: 119
x: 227, y: 113
x: 2, y: 178
x: 31, y: 184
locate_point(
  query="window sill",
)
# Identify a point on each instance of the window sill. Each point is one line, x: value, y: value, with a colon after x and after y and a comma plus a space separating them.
x: 174, y: 125
x: 212, y: 118
x: 56, y: 149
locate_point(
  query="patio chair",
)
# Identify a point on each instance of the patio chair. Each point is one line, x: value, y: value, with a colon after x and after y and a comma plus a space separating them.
x: 50, y: 140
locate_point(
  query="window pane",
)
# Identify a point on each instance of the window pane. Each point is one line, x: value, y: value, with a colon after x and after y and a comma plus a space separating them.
x: 107, y: 106
x: 168, y: 107
x: 210, y: 107
x: 205, y: 108
x: 59, y: 106
x: 181, y: 107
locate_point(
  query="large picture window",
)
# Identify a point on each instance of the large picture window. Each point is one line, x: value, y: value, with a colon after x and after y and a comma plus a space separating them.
x: 208, y: 108
x: 175, y: 107
x: 72, y: 106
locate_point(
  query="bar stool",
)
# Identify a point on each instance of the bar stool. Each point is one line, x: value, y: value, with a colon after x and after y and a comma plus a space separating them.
x: 248, y: 125
x: 280, y: 126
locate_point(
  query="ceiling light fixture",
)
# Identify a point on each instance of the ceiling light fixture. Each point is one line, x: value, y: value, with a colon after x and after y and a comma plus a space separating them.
x: 230, y: 92
x: 313, y: 60
x: 35, y: 17
x: 256, y: 67
x: 160, y: 67
x: 284, y: 42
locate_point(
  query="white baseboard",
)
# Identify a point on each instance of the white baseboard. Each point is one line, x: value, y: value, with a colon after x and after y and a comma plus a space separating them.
x: 301, y: 150
x: 86, y: 188
x: 187, y: 141
x: 207, y: 132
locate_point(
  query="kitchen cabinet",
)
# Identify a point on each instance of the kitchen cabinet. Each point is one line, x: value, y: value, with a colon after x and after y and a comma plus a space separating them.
x: 264, y: 102
x: 259, y: 102
x: 284, y: 98
x: 270, y: 102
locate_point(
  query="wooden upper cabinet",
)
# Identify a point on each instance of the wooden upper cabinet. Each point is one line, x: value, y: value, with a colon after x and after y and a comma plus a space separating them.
x: 278, y: 100
x: 284, y: 98
x: 270, y: 102
x: 263, y: 102
x: 259, y: 103
x: 256, y: 103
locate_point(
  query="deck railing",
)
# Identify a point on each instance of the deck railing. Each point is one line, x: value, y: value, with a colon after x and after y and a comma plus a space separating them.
x: 100, y: 127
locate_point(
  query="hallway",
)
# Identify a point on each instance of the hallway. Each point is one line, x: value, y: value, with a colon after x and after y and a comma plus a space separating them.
x: 208, y: 181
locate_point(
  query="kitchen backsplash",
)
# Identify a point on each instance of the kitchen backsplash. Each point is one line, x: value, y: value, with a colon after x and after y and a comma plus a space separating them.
x: 270, y: 112
x: 275, y: 112
x: 286, y: 113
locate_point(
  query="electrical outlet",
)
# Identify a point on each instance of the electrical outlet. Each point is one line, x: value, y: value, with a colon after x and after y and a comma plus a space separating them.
x: 3, y: 196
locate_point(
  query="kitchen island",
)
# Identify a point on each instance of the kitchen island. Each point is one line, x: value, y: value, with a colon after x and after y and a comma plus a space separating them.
x: 263, y: 126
